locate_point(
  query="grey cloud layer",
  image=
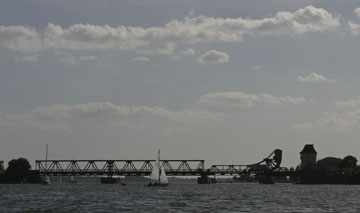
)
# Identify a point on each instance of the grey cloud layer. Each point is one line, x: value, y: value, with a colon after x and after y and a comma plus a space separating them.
x: 163, y: 40
x: 29, y: 58
x: 240, y: 99
x: 353, y: 103
x: 103, y: 112
x: 342, y: 121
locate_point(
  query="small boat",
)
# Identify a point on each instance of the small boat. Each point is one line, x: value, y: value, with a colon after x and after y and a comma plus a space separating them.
x: 72, y: 179
x: 158, y: 176
x: 46, y: 180
x: 112, y: 180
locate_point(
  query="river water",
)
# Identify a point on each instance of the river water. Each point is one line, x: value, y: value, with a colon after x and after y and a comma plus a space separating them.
x: 179, y: 197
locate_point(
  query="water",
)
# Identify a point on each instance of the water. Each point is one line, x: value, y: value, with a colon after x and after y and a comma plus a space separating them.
x: 179, y: 197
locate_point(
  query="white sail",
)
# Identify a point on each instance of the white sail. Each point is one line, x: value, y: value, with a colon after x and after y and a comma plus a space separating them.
x: 156, y: 169
x: 158, y: 160
x: 163, y: 178
x: 72, y: 179
x: 155, y: 173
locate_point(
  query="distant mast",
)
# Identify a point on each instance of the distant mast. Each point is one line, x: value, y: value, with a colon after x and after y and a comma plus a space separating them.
x: 46, y: 156
x: 158, y: 164
x: 46, y: 181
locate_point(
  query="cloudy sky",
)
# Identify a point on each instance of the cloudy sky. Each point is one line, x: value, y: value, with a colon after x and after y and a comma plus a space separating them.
x: 224, y: 81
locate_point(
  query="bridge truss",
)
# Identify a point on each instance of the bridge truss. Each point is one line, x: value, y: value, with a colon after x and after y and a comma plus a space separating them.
x: 118, y: 167
x: 144, y: 167
x: 268, y: 164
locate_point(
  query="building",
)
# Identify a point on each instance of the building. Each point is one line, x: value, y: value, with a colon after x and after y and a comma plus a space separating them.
x: 308, y: 156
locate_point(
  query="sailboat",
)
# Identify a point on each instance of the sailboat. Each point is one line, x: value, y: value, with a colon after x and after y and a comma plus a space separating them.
x: 158, y: 176
x: 46, y: 180
x: 72, y: 178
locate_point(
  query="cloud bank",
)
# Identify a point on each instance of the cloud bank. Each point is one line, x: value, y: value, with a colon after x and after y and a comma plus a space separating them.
x: 105, y: 112
x: 163, y: 40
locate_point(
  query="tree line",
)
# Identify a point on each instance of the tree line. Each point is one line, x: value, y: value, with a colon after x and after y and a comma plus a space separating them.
x: 331, y: 170
x: 18, y: 171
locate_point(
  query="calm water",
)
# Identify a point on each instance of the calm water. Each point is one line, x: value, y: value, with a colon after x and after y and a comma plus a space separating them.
x: 179, y: 197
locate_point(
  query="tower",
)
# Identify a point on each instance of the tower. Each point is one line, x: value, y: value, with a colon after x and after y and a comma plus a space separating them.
x: 308, y: 156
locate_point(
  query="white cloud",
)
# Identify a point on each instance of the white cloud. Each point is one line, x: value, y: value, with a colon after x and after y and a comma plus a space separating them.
x: 256, y: 67
x: 29, y: 58
x: 163, y: 40
x: 69, y: 59
x: 240, y: 99
x: 314, y: 77
x: 87, y: 58
x: 189, y: 51
x: 357, y: 11
x: 354, y: 103
x: 213, y: 57
x: 354, y: 28
x: 170, y: 131
x: 141, y: 59
x: 20, y: 38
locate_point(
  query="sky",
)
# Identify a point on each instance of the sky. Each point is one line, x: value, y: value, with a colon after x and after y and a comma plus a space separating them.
x: 223, y: 81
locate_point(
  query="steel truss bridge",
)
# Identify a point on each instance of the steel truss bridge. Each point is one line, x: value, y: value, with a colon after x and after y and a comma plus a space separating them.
x: 144, y: 167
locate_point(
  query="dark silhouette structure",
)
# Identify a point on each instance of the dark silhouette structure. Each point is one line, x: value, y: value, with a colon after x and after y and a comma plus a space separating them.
x: 19, y: 171
x: 308, y: 156
x: 265, y: 168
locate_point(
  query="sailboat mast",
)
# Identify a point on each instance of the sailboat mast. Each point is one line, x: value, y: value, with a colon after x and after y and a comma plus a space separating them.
x: 159, y: 164
x: 46, y: 157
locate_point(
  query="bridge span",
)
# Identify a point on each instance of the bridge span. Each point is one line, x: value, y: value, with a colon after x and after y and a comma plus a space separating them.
x: 144, y: 167
x: 118, y: 167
